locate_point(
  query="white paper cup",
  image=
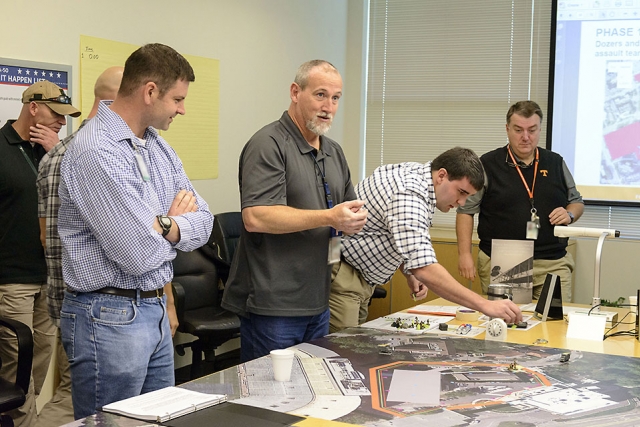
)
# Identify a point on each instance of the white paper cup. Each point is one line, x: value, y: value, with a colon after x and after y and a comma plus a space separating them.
x: 282, y: 364
x: 633, y: 300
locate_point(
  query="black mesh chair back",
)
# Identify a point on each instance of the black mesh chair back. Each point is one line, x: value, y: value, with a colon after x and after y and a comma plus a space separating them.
x: 13, y: 394
x: 227, y: 228
x: 196, y: 292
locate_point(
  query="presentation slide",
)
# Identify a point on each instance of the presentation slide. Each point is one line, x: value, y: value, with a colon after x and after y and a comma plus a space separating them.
x: 595, y: 120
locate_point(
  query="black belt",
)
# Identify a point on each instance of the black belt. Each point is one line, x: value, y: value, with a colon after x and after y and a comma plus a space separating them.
x: 131, y: 293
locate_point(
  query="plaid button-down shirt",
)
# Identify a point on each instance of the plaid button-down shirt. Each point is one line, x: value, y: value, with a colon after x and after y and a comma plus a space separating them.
x: 401, y: 201
x: 48, y: 182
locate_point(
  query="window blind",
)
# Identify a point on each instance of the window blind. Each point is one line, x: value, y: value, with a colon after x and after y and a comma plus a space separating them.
x: 443, y: 74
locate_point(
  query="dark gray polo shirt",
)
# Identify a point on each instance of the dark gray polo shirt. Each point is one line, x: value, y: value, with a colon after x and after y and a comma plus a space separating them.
x: 285, y: 274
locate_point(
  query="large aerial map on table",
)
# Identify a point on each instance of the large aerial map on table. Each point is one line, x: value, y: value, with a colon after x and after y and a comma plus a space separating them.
x: 377, y: 378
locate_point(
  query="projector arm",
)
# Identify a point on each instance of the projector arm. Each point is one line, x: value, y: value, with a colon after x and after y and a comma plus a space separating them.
x: 601, y: 234
x: 595, y: 302
x: 564, y: 231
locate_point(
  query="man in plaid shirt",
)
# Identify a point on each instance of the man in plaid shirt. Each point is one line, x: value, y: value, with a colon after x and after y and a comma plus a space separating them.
x: 401, y: 200
x: 23, y: 270
x: 59, y: 410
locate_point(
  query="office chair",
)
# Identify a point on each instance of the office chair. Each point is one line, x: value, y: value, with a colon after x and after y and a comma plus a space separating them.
x: 197, y: 300
x: 227, y: 227
x: 13, y: 395
x: 378, y: 292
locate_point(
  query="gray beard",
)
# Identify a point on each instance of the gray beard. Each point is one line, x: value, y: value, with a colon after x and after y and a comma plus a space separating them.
x: 318, y: 129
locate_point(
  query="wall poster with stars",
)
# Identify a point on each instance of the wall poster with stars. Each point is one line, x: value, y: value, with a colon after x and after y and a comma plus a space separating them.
x: 17, y: 75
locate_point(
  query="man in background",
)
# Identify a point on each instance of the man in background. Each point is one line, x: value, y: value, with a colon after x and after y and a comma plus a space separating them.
x: 527, y: 191
x: 126, y: 205
x: 296, y: 193
x: 401, y: 200
x: 59, y: 410
x: 23, y: 272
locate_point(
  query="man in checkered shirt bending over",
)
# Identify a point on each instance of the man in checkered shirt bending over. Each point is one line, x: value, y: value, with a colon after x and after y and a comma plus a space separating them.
x: 401, y: 200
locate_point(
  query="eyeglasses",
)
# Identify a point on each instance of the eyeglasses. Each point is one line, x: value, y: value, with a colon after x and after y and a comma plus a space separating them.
x: 62, y: 99
x: 521, y: 164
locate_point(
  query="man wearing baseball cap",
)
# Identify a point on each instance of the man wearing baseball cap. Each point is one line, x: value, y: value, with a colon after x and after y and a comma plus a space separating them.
x: 23, y: 275
x: 52, y: 95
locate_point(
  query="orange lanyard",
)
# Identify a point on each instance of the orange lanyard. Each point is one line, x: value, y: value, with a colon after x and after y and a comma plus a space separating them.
x: 535, y: 173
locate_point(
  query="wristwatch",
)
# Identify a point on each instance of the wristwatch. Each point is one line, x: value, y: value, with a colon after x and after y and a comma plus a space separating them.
x: 571, y: 217
x: 165, y: 224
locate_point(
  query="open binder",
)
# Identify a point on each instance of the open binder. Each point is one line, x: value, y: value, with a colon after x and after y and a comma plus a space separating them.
x: 164, y: 404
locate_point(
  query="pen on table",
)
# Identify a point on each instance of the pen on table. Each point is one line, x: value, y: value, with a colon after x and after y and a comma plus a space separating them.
x: 433, y: 313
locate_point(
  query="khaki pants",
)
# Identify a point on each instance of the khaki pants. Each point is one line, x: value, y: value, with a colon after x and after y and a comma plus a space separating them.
x: 26, y: 303
x: 59, y: 410
x: 349, y: 298
x: 563, y: 267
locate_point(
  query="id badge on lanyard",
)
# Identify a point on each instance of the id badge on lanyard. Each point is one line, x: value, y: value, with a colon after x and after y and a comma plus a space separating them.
x: 533, y: 226
x: 335, y: 242
x: 142, y: 166
x: 335, y: 247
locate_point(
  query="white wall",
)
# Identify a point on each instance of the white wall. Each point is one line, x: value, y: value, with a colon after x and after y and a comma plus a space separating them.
x: 618, y: 271
x: 355, y: 87
x: 260, y: 44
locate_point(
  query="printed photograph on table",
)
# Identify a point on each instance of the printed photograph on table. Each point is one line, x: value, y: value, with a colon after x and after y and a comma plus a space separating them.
x: 512, y: 264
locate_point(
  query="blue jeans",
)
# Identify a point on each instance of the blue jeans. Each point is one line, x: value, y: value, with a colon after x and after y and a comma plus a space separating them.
x: 261, y: 334
x: 118, y: 347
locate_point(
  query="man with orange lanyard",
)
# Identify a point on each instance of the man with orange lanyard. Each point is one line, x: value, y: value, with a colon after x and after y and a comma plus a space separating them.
x: 527, y: 191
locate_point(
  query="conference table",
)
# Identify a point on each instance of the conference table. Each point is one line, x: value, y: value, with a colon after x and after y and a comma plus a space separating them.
x: 364, y: 375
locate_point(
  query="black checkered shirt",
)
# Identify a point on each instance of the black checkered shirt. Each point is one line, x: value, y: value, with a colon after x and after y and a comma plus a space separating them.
x: 401, y: 201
